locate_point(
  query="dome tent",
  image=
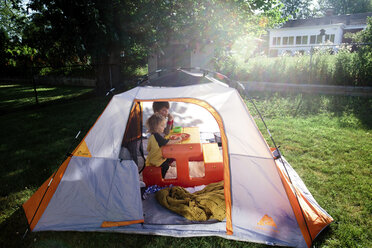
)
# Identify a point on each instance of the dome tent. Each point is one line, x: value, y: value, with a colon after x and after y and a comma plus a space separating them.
x: 94, y: 190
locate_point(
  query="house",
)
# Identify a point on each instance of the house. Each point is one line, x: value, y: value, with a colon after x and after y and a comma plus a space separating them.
x: 304, y: 34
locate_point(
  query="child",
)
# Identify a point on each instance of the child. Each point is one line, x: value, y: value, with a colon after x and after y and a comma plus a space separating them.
x: 163, y: 109
x: 156, y: 125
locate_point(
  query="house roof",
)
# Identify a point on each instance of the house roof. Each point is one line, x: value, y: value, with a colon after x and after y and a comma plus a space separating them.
x: 352, y: 19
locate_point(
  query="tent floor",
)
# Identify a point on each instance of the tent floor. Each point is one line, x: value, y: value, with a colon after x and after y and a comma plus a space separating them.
x: 154, y: 213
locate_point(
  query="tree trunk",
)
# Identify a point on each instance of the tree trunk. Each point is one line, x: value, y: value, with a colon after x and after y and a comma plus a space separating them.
x: 108, y: 72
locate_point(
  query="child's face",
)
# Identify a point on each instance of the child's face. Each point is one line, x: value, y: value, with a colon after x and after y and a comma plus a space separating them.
x: 160, y: 128
x: 164, y: 111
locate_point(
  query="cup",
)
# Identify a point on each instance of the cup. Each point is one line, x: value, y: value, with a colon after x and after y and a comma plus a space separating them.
x: 177, y: 129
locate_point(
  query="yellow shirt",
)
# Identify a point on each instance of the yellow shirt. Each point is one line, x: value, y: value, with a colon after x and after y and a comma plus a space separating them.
x: 155, y: 157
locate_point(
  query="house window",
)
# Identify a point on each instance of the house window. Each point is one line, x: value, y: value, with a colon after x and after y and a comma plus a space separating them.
x: 290, y: 41
x: 274, y: 41
x: 319, y: 39
x: 298, y: 40
x: 285, y: 40
x: 304, y: 39
x: 332, y: 38
x: 278, y: 41
x: 312, y: 39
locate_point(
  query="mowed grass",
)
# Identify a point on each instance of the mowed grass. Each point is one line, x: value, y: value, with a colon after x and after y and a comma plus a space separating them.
x: 20, y: 96
x: 327, y: 139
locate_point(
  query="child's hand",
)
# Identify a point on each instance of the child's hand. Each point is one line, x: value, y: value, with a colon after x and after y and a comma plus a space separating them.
x: 170, y: 117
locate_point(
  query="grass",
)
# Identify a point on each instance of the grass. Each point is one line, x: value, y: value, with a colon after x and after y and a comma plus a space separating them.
x: 17, y: 96
x: 327, y: 139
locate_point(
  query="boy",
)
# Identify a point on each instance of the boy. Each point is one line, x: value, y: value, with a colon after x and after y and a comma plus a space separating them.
x: 162, y: 108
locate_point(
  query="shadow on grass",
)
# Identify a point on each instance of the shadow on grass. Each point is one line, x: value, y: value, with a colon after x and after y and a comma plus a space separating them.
x: 14, y: 227
x: 15, y: 97
x: 360, y: 107
x: 352, y: 111
x: 12, y: 230
x: 33, y: 143
x: 325, y: 234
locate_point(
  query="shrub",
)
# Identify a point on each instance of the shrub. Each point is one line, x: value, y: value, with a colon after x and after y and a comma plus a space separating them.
x: 322, y: 67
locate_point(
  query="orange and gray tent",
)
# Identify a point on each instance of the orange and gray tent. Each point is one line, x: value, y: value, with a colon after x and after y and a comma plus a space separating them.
x: 94, y: 190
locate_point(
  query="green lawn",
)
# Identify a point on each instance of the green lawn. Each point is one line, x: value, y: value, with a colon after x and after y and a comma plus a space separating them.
x: 20, y: 96
x: 327, y: 139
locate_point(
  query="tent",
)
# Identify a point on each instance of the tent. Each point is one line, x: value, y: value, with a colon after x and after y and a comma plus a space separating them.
x: 94, y: 190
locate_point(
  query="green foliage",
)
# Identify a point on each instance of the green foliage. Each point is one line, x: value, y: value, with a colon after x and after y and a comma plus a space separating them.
x: 218, y: 21
x: 297, y: 9
x: 102, y: 29
x: 99, y: 32
x: 12, y: 51
x: 346, y: 6
x: 4, y: 40
x: 20, y: 55
x: 343, y: 68
x: 365, y: 52
x: 12, y: 19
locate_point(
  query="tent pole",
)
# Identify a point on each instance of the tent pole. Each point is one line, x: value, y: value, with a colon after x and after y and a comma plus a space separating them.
x: 281, y: 160
x: 276, y: 147
x: 141, y: 142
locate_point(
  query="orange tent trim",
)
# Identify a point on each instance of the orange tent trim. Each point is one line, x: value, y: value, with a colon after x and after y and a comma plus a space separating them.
x: 225, y: 154
x: 315, y: 219
x: 120, y: 223
x: 36, y: 205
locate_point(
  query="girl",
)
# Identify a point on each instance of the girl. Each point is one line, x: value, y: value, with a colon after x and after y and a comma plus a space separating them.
x: 156, y: 125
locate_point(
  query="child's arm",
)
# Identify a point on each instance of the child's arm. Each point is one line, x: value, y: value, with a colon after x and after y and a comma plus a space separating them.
x: 169, y: 124
x: 162, y: 142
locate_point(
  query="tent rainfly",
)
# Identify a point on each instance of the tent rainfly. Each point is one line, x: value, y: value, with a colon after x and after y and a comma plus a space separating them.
x: 95, y: 190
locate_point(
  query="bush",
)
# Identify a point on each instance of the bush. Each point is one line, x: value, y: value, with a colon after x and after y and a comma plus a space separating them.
x: 343, y: 68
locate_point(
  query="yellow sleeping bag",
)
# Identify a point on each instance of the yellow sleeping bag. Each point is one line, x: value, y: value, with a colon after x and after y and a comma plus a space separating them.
x: 208, y: 203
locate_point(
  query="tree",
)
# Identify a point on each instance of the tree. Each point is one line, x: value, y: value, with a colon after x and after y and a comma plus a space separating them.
x: 12, y: 18
x: 101, y: 30
x: 364, y: 37
x: 91, y: 31
x: 297, y: 9
x: 346, y: 6
x: 13, y: 52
